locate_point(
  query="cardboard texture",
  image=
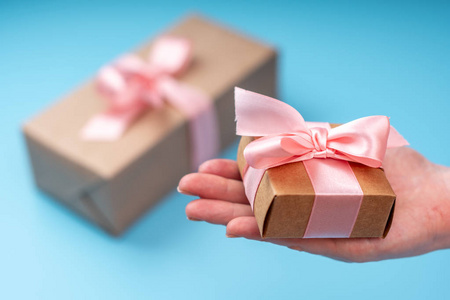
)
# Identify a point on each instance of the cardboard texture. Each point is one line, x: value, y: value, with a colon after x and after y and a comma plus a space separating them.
x: 285, y: 198
x: 113, y: 183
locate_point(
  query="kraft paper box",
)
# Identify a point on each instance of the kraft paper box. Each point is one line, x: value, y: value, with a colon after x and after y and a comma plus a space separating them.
x: 285, y: 198
x: 313, y: 179
x: 113, y: 183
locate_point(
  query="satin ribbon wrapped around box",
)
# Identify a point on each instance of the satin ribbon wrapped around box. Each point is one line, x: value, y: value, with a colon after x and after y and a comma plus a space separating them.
x: 116, y: 145
x: 310, y: 179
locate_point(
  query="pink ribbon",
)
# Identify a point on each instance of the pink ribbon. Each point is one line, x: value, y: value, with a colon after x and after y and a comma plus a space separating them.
x: 287, y: 138
x: 132, y: 85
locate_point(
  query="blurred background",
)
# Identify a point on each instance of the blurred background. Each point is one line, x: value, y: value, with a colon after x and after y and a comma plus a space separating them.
x: 339, y: 60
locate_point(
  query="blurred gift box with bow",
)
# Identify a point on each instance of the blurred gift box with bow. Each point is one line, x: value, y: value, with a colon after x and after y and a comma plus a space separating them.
x: 111, y: 148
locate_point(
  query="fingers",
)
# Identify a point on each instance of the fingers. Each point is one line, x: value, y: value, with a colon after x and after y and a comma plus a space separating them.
x: 244, y: 226
x: 216, y: 211
x: 221, y: 167
x: 210, y: 186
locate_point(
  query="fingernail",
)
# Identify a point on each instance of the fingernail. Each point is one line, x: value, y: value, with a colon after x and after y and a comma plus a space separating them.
x: 231, y: 235
x: 184, y: 192
x: 193, y: 219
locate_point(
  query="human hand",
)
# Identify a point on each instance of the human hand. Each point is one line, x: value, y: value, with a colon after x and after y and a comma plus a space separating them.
x: 421, y: 220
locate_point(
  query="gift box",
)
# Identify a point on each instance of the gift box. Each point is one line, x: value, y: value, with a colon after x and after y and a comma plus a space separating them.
x: 313, y: 180
x: 110, y: 157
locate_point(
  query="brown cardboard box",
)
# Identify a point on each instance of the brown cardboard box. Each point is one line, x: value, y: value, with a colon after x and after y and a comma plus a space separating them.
x: 285, y: 198
x: 113, y: 183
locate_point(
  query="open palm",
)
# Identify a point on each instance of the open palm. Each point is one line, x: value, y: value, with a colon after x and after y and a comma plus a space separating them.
x: 421, y: 220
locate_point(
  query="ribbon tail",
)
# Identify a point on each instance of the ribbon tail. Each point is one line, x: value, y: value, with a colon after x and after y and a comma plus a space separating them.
x: 395, y: 139
x: 110, y: 126
x: 252, y: 178
x: 203, y: 123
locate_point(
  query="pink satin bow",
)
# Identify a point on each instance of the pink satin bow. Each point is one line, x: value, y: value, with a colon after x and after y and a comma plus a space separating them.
x: 131, y: 85
x: 286, y: 138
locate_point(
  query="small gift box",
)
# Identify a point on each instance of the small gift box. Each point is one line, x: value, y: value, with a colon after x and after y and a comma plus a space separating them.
x: 113, y: 147
x: 313, y: 180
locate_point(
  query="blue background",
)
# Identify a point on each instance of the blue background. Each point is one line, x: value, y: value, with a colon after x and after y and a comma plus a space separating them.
x: 339, y: 61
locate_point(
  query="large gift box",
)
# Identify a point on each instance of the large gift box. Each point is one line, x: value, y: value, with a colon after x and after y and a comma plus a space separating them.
x: 118, y: 143
x: 310, y: 179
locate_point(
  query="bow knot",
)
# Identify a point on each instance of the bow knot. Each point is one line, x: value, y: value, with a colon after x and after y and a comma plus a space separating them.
x: 327, y: 153
x: 319, y: 138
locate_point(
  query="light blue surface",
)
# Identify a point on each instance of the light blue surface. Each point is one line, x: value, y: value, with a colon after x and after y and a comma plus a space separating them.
x: 339, y: 61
